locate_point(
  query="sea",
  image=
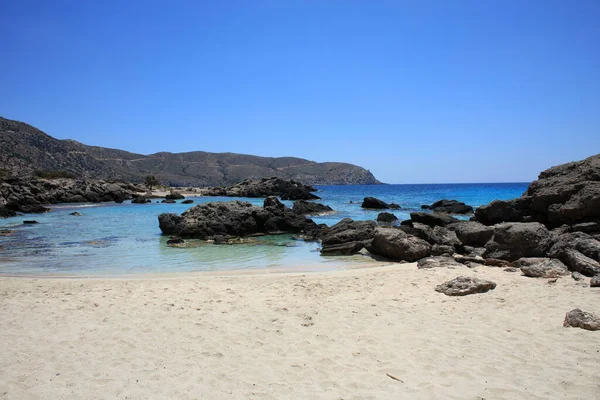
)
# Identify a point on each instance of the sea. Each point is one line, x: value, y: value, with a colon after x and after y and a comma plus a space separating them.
x: 112, y: 239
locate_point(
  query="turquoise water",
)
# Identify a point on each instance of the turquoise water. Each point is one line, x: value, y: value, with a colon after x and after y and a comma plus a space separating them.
x: 117, y: 239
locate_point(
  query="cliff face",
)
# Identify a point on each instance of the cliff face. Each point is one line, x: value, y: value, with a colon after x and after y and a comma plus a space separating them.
x: 24, y: 149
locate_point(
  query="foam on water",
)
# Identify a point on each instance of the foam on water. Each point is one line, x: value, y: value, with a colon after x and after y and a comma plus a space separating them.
x: 117, y: 239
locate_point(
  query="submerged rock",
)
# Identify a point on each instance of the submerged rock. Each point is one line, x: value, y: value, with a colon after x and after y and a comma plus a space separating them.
x: 75, y: 214
x: 464, y: 285
x: 188, y: 201
x: 581, y: 319
x: 30, y: 222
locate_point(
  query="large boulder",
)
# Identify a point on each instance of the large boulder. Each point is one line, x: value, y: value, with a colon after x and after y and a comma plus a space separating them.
x: 541, y: 267
x: 375, y: 204
x: 464, y: 285
x: 174, y: 196
x: 513, y: 240
x: 449, y: 207
x: 472, y: 233
x: 432, y: 219
x: 386, y: 217
x: 346, y: 237
x: 398, y: 245
x: 499, y: 211
x: 304, y: 207
x: 437, y: 235
x: 581, y: 319
x: 579, y: 251
x: 234, y: 219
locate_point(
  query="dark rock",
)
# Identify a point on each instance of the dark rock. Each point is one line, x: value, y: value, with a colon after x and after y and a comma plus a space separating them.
x: 432, y: 220
x: 579, y: 241
x: 499, y: 211
x: 438, y: 262
x: 168, y: 201
x: 436, y: 235
x: 472, y: 233
x: 464, y: 285
x: 76, y: 214
x: 397, y: 245
x: 386, y: 217
x: 541, y: 267
x: 342, y: 249
x: 140, y: 200
x: 6, y: 213
x: 449, y: 207
x: 304, y: 207
x: 581, y: 319
x: 234, y: 219
x: 394, y: 206
x: 5, y: 232
x: 441, y: 250
x: 494, y: 262
x: 188, y: 201
x: 174, y: 196
x: 513, y: 240
x: 468, y: 259
x: 352, y: 234
x: 577, y: 276
x: 579, y: 262
x: 374, y: 204
x: 586, y: 227
x: 286, y: 189
x: 175, y: 242
x: 30, y: 222
x: 595, y: 281
x: 273, y: 202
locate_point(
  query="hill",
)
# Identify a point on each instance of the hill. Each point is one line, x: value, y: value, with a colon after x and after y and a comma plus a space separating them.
x: 25, y: 149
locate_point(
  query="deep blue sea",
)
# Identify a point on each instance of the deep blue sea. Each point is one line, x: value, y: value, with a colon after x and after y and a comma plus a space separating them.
x: 119, y: 239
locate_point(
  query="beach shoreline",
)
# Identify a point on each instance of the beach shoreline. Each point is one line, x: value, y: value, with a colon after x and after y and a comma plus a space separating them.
x: 358, y: 333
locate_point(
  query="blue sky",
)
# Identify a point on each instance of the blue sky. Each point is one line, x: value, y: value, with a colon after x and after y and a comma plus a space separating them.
x: 417, y: 92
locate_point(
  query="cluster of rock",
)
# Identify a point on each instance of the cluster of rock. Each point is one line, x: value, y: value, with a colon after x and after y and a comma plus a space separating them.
x: 285, y: 189
x: 28, y: 195
x: 234, y: 219
x: 551, y: 231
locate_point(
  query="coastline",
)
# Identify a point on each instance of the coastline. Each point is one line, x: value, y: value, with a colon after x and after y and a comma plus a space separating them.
x: 335, y: 334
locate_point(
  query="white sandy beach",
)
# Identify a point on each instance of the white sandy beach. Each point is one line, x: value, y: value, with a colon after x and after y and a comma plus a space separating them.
x: 329, y: 335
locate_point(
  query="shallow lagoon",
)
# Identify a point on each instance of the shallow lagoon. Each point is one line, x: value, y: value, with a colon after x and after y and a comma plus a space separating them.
x: 118, y: 239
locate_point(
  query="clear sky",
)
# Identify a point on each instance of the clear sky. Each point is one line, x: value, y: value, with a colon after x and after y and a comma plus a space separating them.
x: 415, y: 91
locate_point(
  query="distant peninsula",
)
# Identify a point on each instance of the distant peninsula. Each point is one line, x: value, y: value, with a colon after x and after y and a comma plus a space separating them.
x: 26, y: 149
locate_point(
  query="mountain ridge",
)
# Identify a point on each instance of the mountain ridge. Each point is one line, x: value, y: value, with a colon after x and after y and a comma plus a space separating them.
x: 26, y: 149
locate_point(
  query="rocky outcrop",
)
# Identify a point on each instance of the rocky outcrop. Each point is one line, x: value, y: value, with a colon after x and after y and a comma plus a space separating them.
x: 514, y: 240
x: 449, y: 207
x: 28, y: 194
x: 398, y: 245
x: 374, y: 203
x: 144, y: 200
x: 234, y: 219
x: 304, y: 207
x: 346, y: 237
x: 581, y: 319
x: 464, y: 285
x: 565, y: 194
x: 285, y: 189
x: 579, y: 251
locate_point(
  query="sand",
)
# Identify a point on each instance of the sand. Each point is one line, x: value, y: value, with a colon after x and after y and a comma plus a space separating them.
x: 326, y: 335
